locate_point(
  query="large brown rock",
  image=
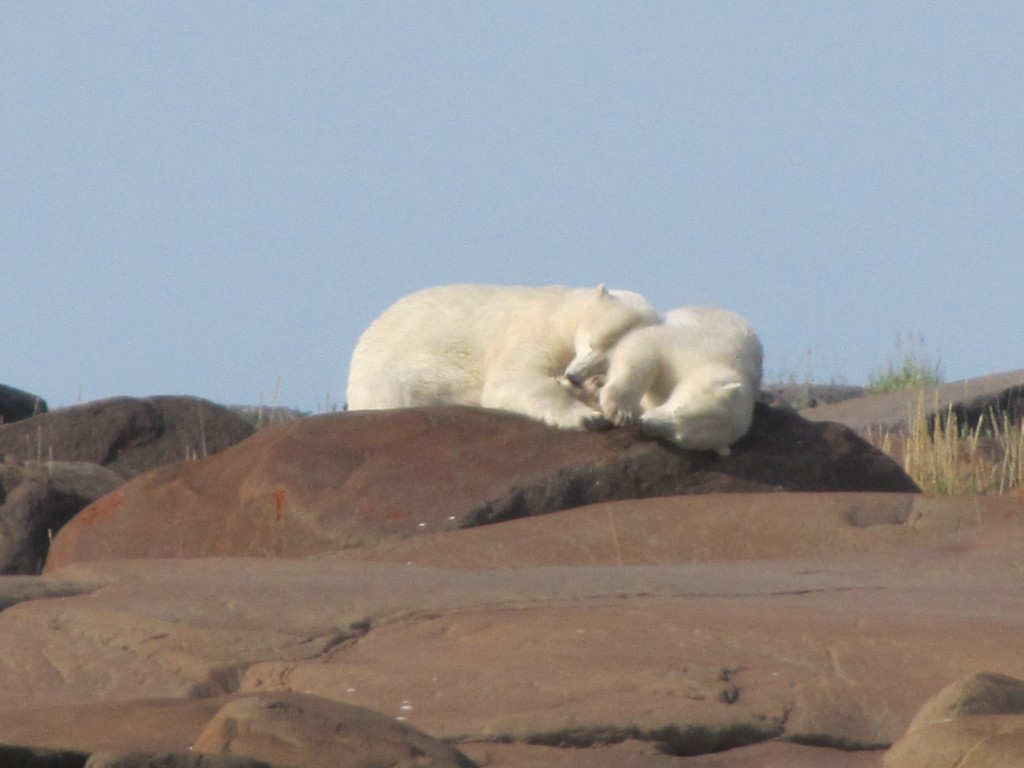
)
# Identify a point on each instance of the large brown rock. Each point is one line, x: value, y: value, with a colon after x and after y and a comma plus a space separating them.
x: 36, y: 500
x: 346, y: 480
x: 127, y: 435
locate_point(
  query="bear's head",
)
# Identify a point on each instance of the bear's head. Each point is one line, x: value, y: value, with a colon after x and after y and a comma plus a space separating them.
x: 710, y: 410
x: 605, y: 317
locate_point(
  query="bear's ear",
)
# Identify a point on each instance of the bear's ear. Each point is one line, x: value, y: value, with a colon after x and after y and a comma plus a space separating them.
x: 602, y: 291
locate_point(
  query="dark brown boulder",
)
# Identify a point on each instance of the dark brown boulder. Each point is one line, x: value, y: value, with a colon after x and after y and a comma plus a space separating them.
x: 16, y: 405
x: 37, y: 500
x: 127, y: 435
x: 350, y: 479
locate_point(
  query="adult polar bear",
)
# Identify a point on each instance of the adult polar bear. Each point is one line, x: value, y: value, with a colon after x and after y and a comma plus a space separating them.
x: 693, y: 379
x: 493, y: 346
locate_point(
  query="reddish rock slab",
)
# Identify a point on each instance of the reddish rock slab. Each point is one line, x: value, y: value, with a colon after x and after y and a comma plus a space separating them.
x: 129, y: 725
x: 692, y: 674
x: 347, y: 480
x: 126, y: 435
x: 735, y: 653
x: 704, y: 528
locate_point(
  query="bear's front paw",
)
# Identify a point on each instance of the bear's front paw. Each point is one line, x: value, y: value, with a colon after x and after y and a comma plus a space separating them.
x: 620, y: 412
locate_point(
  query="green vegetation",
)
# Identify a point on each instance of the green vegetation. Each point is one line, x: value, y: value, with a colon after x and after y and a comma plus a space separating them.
x: 912, y: 368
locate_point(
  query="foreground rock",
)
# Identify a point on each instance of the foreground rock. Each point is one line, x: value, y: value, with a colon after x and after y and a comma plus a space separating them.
x: 126, y: 435
x: 347, y: 480
x: 780, y: 630
x: 1001, y: 393
x: 36, y: 500
x: 296, y: 729
x: 977, y: 721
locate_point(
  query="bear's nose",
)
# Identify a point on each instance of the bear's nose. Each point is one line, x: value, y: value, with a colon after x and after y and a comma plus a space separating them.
x: 574, y: 379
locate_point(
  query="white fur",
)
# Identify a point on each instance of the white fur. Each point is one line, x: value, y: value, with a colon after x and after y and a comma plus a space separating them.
x: 692, y: 380
x: 493, y: 346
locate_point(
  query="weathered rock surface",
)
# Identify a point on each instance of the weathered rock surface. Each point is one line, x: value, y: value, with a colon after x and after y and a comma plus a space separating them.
x: 771, y: 627
x: 969, y: 400
x: 976, y: 721
x: 346, y: 480
x: 16, y: 405
x: 127, y: 435
x: 36, y: 500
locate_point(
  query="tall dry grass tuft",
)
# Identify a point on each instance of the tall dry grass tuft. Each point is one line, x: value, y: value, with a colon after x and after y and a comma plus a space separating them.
x: 945, y: 456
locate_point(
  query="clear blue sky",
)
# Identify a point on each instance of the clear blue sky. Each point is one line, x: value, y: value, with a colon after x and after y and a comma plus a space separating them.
x: 215, y: 198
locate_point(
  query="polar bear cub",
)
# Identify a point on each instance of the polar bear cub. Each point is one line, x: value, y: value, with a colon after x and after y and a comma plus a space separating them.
x: 493, y: 346
x: 692, y: 380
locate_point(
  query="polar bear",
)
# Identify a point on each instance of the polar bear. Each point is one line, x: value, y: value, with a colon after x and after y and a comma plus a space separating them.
x: 692, y: 380
x: 493, y: 346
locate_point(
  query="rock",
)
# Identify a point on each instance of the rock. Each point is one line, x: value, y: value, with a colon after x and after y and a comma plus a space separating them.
x: 980, y: 717
x: 700, y: 529
x: 172, y: 760
x: 35, y: 757
x: 978, y: 742
x: 984, y: 693
x: 18, y: 589
x: 726, y: 622
x: 801, y: 396
x: 350, y: 479
x: 127, y: 435
x: 37, y: 500
x: 638, y: 754
x: 894, y: 411
x: 122, y: 725
x: 295, y: 729
x: 16, y: 405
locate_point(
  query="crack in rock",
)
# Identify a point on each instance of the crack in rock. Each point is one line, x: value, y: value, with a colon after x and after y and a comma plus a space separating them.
x: 840, y: 743
x: 674, y: 740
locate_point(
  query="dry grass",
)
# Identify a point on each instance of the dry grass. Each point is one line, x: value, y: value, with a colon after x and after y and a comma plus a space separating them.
x: 945, y: 456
